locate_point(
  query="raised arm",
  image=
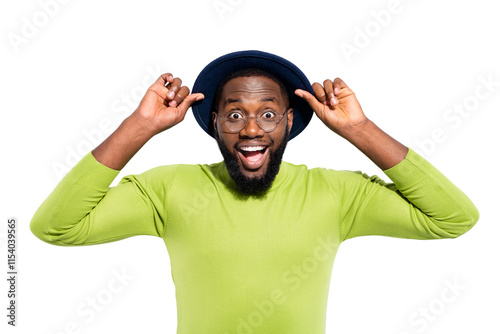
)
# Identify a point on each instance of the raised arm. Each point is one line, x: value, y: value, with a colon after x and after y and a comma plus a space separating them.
x: 83, y: 210
x: 337, y: 106
x: 164, y: 105
x: 422, y: 203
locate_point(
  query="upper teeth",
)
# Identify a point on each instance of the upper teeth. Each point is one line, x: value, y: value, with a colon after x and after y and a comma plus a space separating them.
x: 252, y: 148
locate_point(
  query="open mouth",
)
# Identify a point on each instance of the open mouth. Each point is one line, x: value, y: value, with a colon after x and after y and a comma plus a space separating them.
x: 253, y: 157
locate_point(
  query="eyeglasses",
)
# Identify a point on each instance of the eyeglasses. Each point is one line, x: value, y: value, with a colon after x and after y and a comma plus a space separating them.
x: 267, y: 120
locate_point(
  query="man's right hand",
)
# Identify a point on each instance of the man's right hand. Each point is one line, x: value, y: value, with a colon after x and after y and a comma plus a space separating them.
x: 165, y: 104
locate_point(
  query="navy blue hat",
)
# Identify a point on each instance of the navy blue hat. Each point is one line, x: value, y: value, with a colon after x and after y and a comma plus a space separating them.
x: 291, y: 76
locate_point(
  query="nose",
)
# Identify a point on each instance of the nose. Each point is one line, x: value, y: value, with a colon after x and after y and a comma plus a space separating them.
x: 252, y: 129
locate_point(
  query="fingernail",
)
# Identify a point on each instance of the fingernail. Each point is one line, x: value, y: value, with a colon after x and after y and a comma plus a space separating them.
x: 333, y: 101
x: 171, y: 95
x: 172, y: 103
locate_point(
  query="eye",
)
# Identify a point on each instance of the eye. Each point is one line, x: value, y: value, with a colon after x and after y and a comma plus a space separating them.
x: 268, y: 115
x: 234, y: 116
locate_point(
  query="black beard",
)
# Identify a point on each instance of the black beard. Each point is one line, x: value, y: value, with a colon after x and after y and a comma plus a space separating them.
x: 253, y: 186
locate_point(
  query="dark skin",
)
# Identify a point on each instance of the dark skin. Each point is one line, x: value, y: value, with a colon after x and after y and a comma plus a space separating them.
x: 167, y: 101
x: 249, y: 96
x: 164, y: 105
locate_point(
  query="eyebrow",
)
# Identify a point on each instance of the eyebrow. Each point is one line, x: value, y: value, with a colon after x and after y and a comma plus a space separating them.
x: 264, y: 99
x: 228, y: 101
x: 269, y: 99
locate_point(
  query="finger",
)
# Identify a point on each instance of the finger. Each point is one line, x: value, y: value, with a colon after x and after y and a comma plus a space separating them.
x: 313, y: 101
x: 179, y: 97
x: 319, y: 92
x: 159, y: 85
x: 164, y: 79
x: 340, y: 88
x: 173, y: 88
x: 186, y: 103
x: 328, y: 84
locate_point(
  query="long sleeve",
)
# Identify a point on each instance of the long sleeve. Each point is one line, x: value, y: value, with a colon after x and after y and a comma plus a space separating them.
x: 83, y: 210
x: 421, y: 203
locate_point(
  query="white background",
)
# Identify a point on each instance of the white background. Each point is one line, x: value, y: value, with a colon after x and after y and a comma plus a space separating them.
x: 74, y: 69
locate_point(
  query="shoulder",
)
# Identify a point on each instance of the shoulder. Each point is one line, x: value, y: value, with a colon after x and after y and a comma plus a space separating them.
x: 318, y: 172
x: 338, y: 180
x: 168, y: 174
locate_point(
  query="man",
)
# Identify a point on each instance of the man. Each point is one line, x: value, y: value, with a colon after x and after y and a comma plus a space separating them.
x: 251, y: 239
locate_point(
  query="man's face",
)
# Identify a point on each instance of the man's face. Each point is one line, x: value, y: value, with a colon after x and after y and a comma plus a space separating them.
x: 252, y: 156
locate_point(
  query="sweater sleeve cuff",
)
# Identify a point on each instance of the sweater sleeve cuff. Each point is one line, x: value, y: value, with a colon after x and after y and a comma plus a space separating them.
x: 91, y: 173
x: 411, y: 169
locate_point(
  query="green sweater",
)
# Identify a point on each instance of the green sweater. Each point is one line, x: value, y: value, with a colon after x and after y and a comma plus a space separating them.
x: 252, y: 264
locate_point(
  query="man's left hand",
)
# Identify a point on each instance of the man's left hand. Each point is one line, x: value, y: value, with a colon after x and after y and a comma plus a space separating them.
x: 336, y: 105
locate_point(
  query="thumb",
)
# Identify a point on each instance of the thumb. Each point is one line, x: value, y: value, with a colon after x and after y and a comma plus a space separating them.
x: 190, y: 99
x: 309, y: 98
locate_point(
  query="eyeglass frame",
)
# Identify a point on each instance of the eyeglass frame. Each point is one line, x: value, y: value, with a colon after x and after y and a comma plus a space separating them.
x: 225, y: 119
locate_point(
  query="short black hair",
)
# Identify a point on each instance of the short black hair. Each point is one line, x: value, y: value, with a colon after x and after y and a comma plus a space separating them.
x: 249, y: 72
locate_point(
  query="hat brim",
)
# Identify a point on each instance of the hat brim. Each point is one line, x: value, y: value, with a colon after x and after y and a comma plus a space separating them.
x: 291, y: 76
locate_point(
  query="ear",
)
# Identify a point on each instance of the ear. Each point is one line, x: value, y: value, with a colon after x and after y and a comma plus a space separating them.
x: 290, y: 119
x: 214, y: 119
